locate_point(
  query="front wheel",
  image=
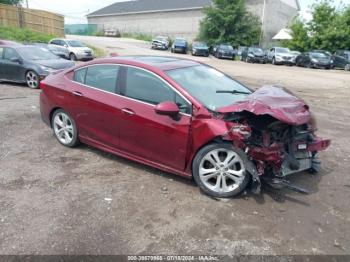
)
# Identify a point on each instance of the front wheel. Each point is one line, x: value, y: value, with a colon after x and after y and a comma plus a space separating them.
x: 220, y: 170
x: 65, y: 128
x: 32, y: 79
x: 73, y: 57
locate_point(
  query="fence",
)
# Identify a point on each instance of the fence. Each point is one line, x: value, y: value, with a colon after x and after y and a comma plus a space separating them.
x: 36, y: 20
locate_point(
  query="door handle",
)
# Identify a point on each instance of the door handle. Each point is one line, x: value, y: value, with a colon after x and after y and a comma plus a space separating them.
x: 76, y: 93
x: 128, y: 111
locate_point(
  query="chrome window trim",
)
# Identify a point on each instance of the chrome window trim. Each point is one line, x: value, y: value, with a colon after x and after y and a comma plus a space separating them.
x: 142, y: 102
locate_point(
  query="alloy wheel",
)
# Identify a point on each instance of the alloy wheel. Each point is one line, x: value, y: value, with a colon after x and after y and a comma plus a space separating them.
x: 222, y: 170
x: 63, y: 128
x: 32, y: 79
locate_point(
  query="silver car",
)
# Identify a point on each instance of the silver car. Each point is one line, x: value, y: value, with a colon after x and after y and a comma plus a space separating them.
x: 281, y: 56
x: 77, y: 50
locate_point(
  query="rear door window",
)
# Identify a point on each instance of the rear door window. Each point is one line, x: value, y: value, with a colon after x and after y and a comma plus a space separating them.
x: 79, y: 75
x: 103, y: 77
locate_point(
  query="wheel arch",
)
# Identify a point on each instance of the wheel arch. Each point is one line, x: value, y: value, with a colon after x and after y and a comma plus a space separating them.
x: 52, y: 112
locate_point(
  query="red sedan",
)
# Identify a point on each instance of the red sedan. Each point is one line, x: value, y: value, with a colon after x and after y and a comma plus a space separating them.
x: 183, y: 117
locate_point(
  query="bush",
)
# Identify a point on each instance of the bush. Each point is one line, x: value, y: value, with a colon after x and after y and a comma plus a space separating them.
x: 23, y: 35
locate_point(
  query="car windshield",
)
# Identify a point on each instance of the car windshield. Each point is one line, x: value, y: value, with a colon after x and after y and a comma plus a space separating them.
x: 203, y: 83
x: 161, y: 38
x: 74, y: 43
x: 226, y: 47
x: 257, y: 50
x: 282, y: 50
x: 319, y: 55
x: 180, y: 41
x: 36, y: 53
x: 199, y: 44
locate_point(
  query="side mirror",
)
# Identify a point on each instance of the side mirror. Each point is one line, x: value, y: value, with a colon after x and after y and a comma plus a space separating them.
x: 16, y: 60
x: 167, y: 108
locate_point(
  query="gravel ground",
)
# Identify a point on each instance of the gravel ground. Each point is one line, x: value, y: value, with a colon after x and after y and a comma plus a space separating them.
x: 55, y: 200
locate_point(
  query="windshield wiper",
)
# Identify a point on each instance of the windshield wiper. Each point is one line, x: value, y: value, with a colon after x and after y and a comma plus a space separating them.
x: 234, y: 92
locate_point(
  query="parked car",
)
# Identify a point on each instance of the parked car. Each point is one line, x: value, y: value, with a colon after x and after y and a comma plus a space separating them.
x: 280, y: 56
x: 341, y: 59
x: 200, y: 49
x: 29, y: 64
x: 77, y: 50
x: 224, y: 51
x: 180, y: 45
x: 112, y: 33
x: 183, y: 117
x: 241, y: 49
x: 315, y: 59
x: 254, y: 55
x: 161, y: 42
x: 56, y: 50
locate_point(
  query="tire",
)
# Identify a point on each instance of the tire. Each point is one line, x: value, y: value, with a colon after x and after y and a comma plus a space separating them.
x: 247, y: 59
x: 32, y: 79
x: 210, y: 174
x: 64, y: 128
x: 72, y: 57
x: 274, y: 61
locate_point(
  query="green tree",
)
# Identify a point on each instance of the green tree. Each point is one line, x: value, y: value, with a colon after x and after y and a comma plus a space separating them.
x: 229, y: 21
x: 11, y: 2
x: 328, y: 29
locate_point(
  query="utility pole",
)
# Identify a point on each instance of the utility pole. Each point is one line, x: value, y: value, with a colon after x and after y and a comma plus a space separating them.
x: 262, y: 23
x: 27, y: 4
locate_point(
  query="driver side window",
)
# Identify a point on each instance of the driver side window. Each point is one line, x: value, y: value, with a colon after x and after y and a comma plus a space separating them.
x: 146, y: 87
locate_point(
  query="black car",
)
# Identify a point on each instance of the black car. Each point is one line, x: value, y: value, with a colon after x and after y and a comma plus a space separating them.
x: 341, y: 59
x: 254, y: 55
x: 56, y: 50
x: 224, y: 51
x: 315, y: 59
x: 160, y: 42
x: 200, y: 49
x: 29, y: 64
x: 180, y: 45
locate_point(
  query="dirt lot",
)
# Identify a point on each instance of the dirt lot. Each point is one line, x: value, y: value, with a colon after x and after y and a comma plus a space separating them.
x: 55, y: 200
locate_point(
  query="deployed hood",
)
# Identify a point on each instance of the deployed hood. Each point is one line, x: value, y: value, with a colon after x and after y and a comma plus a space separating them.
x: 273, y: 101
x: 56, y: 63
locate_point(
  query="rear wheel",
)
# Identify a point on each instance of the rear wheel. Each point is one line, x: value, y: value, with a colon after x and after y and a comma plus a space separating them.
x: 219, y: 170
x: 32, y: 79
x: 65, y: 128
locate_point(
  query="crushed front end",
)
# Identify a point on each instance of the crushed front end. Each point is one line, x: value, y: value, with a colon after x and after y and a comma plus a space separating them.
x: 277, y: 143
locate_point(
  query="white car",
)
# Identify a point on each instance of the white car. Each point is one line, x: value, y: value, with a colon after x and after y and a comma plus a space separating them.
x: 77, y: 50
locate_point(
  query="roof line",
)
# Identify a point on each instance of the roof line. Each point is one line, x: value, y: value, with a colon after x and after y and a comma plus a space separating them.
x: 145, y: 12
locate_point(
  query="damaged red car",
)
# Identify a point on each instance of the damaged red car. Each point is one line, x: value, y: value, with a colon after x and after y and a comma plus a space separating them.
x: 185, y: 118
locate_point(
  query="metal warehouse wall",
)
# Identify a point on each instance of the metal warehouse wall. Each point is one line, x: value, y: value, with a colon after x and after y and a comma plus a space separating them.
x: 37, y: 20
x: 175, y: 23
x: 186, y: 23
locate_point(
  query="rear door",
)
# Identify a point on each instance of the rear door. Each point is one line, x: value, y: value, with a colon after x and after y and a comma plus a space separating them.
x: 94, y: 103
x: 144, y: 133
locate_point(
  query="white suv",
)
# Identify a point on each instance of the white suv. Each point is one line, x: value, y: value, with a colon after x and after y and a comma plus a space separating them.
x: 76, y: 49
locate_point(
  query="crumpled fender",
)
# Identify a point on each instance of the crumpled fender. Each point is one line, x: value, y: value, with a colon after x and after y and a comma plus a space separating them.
x: 273, y: 101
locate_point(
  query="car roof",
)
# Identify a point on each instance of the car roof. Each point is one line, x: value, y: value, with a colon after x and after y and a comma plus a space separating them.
x: 163, y: 63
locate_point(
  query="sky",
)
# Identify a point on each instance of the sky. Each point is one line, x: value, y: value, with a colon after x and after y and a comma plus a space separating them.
x: 76, y: 10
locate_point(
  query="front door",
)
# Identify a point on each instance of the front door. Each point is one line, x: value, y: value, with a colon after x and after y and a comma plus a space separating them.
x: 144, y: 133
x: 12, y: 70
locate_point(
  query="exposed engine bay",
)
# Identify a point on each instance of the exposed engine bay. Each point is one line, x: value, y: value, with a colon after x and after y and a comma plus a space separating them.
x: 275, y: 148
